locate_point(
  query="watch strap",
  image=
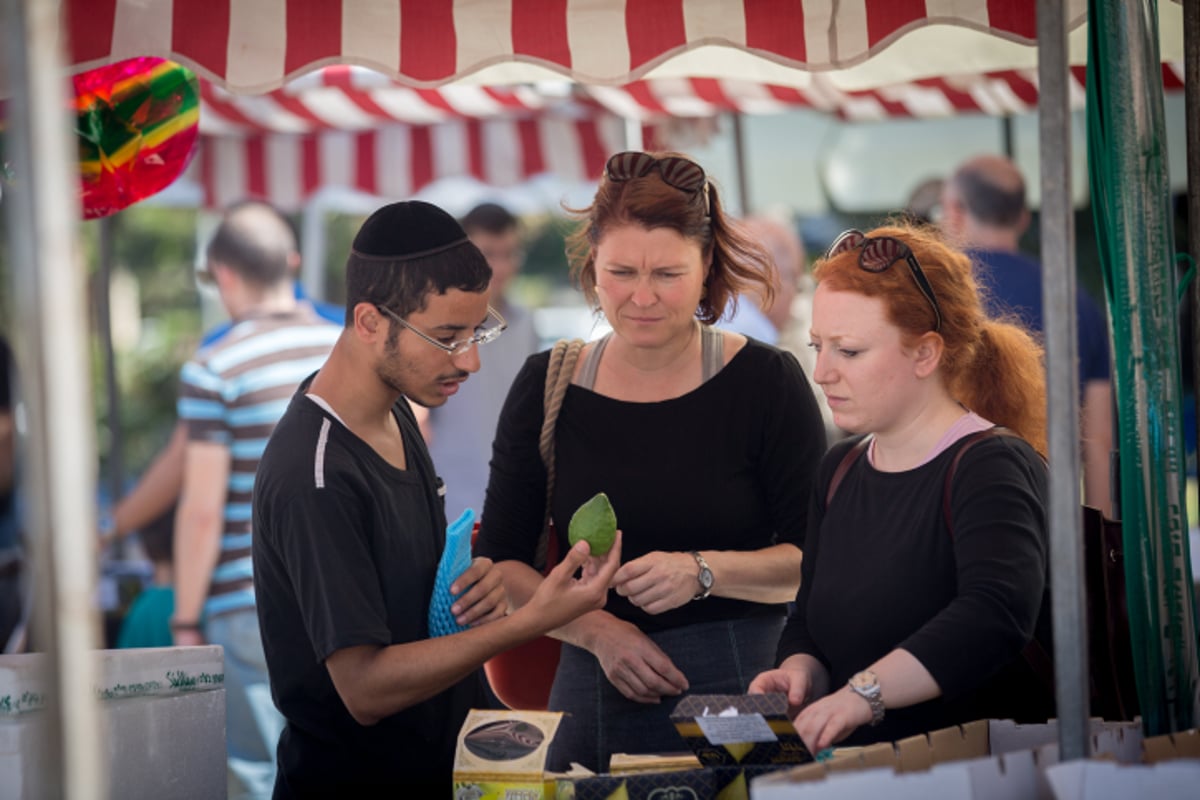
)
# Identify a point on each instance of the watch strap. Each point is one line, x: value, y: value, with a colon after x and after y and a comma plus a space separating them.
x: 705, y: 587
x: 873, y: 694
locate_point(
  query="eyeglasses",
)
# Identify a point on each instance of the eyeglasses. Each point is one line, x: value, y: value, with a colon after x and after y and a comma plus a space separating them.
x: 881, y: 252
x: 682, y: 173
x: 483, y: 334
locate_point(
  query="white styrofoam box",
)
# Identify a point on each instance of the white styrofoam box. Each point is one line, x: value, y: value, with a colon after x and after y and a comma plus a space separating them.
x: 161, y: 722
x: 1104, y: 780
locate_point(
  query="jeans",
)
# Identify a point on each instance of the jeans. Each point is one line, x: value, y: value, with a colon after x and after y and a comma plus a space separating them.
x: 716, y: 657
x: 252, y: 723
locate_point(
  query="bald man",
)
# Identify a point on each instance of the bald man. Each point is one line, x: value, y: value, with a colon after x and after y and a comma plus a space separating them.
x: 232, y: 393
x: 983, y: 209
x: 790, y: 315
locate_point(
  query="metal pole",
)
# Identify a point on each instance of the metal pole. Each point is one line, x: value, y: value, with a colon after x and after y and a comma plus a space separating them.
x: 633, y: 134
x: 49, y: 340
x: 1062, y: 385
x: 116, y: 449
x: 312, y: 249
x: 739, y: 155
x: 1191, y: 94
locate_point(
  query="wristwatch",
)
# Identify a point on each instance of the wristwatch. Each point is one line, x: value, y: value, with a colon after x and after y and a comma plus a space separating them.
x: 705, y: 577
x: 865, y: 684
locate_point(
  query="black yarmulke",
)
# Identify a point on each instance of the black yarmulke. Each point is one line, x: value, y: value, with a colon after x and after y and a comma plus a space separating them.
x: 410, y: 229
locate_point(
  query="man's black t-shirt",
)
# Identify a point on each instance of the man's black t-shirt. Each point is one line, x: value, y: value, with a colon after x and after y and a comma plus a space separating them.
x: 346, y: 549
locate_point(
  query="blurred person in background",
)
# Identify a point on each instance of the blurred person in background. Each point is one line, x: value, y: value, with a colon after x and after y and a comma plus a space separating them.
x: 232, y: 393
x: 460, y: 433
x: 790, y: 314
x: 924, y: 206
x: 984, y: 211
x: 11, y: 614
x: 157, y: 490
x: 148, y: 622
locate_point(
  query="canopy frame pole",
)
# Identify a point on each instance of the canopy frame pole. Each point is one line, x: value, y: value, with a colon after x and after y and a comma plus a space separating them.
x: 58, y: 448
x: 1069, y: 608
x: 1191, y: 100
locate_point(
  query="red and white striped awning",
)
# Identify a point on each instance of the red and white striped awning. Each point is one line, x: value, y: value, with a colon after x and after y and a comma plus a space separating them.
x: 257, y: 45
x: 1002, y: 93
x: 350, y: 128
x: 398, y: 160
x: 354, y: 98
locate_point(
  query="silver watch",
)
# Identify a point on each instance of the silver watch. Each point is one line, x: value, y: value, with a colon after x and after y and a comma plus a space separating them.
x: 865, y: 684
x: 704, y: 577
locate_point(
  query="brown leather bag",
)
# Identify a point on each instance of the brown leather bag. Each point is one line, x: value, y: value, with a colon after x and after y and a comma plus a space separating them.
x: 522, y: 677
x: 1112, y: 685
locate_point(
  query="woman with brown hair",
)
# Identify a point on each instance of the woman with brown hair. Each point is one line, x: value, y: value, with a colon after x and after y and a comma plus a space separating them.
x: 704, y: 441
x: 925, y: 571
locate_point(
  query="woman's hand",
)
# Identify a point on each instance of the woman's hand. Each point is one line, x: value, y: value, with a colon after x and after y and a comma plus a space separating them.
x: 832, y: 718
x: 792, y: 682
x: 658, y: 581
x: 485, y: 600
x: 801, y: 677
x: 635, y: 665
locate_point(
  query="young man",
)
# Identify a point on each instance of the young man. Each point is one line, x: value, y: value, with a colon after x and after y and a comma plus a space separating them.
x: 349, y: 527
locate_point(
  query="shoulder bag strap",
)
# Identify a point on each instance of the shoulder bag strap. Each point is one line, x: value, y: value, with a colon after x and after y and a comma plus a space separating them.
x: 1035, y: 655
x: 852, y: 455
x: 712, y: 352
x: 968, y: 442
x: 558, y: 377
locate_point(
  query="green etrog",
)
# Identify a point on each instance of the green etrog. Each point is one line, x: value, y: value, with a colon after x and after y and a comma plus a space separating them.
x: 596, y: 523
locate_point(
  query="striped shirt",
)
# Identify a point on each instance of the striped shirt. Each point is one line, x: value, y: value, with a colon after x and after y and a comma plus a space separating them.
x: 232, y: 393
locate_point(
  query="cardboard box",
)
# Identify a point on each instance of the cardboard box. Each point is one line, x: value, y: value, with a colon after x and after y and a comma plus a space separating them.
x: 501, y: 755
x: 731, y: 730
x: 994, y: 759
x: 711, y: 783
x: 1171, y: 746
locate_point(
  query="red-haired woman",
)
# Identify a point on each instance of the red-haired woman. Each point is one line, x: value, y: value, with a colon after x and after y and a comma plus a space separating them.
x: 918, y: 594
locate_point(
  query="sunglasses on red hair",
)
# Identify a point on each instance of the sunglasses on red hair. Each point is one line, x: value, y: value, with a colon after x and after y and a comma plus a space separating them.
x: 878, y: 254
x: 682, y: 173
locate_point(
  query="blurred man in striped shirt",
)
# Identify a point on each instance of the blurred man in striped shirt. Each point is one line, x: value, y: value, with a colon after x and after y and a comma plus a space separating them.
x: 232, y: 392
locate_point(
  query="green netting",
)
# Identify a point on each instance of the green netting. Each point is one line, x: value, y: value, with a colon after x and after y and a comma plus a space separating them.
x: 1131, y: 202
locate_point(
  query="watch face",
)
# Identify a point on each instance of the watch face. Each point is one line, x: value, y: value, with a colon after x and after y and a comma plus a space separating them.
x: 864, y: 680
x: 706, y: 578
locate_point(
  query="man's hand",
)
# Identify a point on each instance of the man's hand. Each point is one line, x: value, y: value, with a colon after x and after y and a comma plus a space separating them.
x: 485, y: 600
x: 562, y: 597
x: 187, y: 637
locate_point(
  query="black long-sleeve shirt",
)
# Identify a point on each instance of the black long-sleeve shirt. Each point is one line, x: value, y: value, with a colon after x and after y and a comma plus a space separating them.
x: 883, y: 571
x: 727, y: 466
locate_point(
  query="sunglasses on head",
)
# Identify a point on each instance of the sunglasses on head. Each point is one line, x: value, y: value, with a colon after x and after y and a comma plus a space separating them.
x: 682, y: 173
x: 879, y: 253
